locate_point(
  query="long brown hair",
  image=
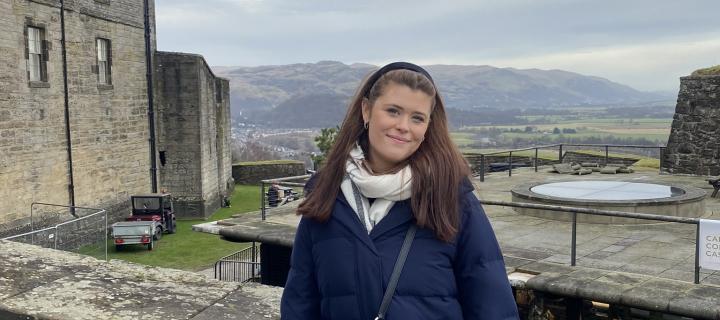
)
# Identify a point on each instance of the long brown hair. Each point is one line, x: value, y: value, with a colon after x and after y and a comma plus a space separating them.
x: 437, y: 166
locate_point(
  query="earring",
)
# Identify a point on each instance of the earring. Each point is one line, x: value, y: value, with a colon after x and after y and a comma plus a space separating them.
x: 367, y: 125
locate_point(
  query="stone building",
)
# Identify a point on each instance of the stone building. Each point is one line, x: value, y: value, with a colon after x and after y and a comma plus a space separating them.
x: 694, y: 143
x: 91, y: 142
x: 193, y: 132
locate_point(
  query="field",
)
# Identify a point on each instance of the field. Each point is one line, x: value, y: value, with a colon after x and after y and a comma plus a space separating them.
x: 646, y: 131
x: 619, y: 126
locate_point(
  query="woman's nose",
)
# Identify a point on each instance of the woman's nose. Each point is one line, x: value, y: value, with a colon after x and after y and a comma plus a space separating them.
x: 403, y: 124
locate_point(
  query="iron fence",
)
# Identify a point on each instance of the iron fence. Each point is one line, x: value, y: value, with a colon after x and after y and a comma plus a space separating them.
x: 241, y: 266
x: 535, y: 160
x: 85, y: 233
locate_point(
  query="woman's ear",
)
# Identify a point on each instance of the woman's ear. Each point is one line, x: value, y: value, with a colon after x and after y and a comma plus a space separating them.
x: 365, y: 110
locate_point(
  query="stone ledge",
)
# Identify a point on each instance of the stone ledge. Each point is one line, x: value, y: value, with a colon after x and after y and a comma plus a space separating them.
x: 638, y: 291
x: 39, y: 283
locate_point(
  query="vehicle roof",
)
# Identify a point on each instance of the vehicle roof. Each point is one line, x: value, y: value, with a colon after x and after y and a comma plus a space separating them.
x: 133, y: 223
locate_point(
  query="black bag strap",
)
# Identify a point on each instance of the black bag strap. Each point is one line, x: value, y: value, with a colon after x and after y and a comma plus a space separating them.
x: 395, y: 277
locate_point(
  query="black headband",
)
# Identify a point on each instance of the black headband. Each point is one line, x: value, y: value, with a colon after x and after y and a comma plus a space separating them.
x: 390, y: 67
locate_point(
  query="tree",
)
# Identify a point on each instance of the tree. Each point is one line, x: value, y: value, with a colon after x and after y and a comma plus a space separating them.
x: 556, y: 130
x: 324, y: 142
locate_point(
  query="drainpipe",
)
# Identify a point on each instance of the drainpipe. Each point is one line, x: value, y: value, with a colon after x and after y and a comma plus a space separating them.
x: 151, y: 111
x: 71, y: 184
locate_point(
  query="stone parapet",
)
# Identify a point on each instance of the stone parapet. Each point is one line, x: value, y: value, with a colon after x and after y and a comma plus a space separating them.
x: 254, y: 172
x: 38, y: 283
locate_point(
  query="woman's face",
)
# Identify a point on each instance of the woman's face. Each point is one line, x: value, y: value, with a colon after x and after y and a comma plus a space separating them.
x: 398, y: 121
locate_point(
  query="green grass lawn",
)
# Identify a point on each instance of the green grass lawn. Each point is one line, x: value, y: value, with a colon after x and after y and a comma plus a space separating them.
x: 191, y: 250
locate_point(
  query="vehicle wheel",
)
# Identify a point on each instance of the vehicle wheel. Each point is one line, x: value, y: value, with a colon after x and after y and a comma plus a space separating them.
x: 173, y: 228
x: 150, y: 245
x: 118, y: 247
x: 158, y: 233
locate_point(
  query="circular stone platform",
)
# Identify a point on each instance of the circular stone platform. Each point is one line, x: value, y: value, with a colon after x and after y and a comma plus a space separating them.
x: 671, y: 200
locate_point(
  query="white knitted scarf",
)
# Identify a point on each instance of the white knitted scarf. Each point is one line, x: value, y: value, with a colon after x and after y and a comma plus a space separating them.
x: 386, y: 189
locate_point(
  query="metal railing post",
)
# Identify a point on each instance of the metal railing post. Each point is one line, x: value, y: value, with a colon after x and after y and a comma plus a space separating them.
x: 252, y: 275
x: 560, y: 154
x: 573, y: 244
x: 482, y: 168
x: 697, y: 254
x: 106, y: 236
x: 536, y: 159
x: 32, y: 224
x: 262, y: 200
x: 55, y: 237
x: 510, y: 164
x: 607, y: 154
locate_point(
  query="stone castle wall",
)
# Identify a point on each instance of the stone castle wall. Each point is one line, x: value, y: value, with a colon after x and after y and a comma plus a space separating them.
x: 193, y: 132
x: 694, y: 143
x: 108, y: 124
x: 256, y: 172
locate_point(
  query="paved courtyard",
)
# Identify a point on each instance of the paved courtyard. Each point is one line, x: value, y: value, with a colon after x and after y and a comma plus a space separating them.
x: 658, y: 249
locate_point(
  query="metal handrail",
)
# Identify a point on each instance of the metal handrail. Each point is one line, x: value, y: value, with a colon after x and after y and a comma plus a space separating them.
x: 513, y: 150
x: 560, y: 153
x: 635, y: 215
x: 280, y: 181
x: 233, y: 260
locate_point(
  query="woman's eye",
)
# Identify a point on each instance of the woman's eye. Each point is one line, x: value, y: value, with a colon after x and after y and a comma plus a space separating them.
x: 418, y: 119
x: 393, y: 111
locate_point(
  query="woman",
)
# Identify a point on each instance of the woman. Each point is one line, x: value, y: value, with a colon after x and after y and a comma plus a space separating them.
x: 392, y: 166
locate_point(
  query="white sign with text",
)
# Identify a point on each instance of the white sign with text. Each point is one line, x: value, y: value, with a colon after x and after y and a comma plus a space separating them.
x: 709, y: 244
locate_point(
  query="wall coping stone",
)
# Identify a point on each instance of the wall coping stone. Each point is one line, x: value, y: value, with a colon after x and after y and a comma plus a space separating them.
x: 40, y: 283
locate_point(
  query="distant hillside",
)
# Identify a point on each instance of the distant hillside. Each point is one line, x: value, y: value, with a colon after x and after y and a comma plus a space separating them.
x: 312, y: 90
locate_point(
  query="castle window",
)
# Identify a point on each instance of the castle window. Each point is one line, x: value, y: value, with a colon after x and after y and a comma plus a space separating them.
x: 37, y: 54
x: 104, y: 59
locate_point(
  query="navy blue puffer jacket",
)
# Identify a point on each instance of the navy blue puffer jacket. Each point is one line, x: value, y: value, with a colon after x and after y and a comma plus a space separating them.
x: 340, y: 272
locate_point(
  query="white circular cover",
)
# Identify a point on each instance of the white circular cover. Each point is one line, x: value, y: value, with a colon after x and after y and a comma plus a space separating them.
x: 606, y: 190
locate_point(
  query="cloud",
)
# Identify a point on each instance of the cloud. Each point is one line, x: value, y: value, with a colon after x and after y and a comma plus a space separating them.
x: 626, y: 40
x: 647, y: 66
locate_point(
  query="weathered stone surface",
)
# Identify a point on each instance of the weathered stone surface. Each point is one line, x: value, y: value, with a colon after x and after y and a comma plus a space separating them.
x: 193, y: 108
x: 254, y: 173
x: 695, y: 301
x: 694, y: 143
x: 250, y: 301
x: 250, y: 228
x: 50, y: 284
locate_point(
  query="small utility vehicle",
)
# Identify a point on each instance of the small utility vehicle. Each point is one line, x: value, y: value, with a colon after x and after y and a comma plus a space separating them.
x: 153, y: 210
x: 134, y: 232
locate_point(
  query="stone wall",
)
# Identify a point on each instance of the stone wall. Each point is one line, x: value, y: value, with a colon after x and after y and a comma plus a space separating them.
x: 193, y: 112
x: 108, y: 124
x: 254, y: 172
x: 694, y: 143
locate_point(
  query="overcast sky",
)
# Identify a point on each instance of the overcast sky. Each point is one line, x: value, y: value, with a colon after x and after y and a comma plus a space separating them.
x: 646, y: 44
